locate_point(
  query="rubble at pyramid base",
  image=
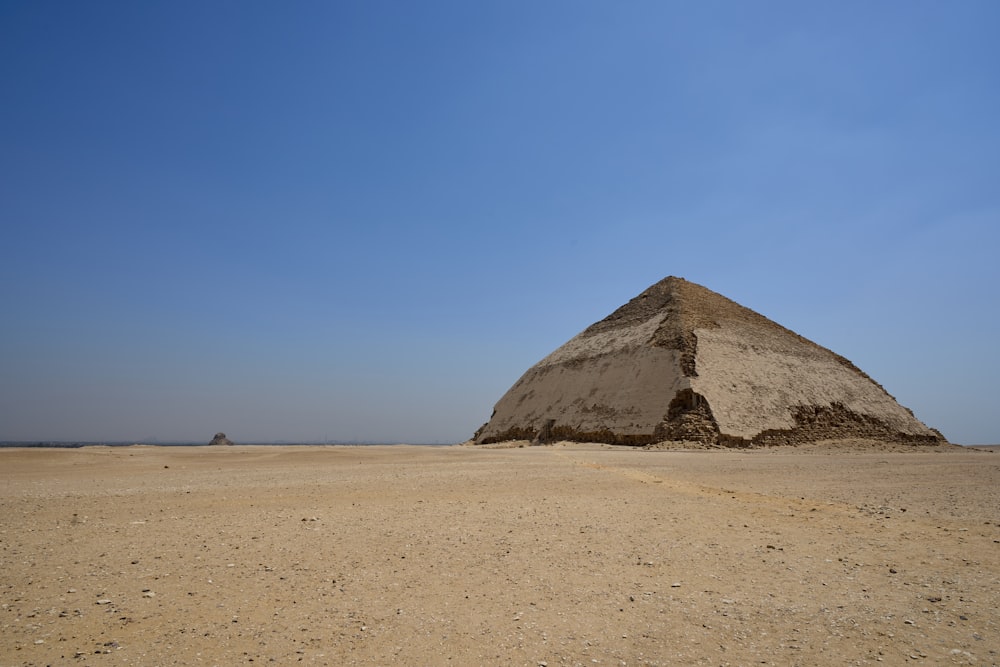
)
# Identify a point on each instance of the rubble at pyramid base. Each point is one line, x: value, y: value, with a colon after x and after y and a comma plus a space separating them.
x: 696, y: 425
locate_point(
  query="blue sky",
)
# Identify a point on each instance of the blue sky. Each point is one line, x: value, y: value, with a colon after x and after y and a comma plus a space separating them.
x: 365, y: 220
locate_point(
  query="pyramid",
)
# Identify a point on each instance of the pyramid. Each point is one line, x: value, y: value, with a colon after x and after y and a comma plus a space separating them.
x: 221, y: 439
x: 682, y: 363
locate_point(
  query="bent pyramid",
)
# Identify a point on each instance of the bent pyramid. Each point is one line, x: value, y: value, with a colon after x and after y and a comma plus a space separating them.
x: 680, y: 362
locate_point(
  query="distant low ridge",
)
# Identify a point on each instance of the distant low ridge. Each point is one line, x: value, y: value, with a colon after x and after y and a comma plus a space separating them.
x: 680, y: 362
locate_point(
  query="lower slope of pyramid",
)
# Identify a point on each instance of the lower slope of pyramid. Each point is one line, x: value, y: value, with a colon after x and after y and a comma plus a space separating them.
x: 680, y: 362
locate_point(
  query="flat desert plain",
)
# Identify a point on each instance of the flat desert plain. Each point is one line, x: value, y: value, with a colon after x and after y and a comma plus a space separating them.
x: 555, y: 555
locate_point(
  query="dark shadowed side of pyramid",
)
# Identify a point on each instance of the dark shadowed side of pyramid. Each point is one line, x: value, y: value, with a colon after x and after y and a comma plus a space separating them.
x: 680, y: 362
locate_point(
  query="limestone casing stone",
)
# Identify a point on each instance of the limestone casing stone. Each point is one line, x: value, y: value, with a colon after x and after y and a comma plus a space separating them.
x: 682, y: 362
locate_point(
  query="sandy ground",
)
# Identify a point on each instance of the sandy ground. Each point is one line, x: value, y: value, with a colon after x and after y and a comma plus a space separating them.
x: 556, y: 555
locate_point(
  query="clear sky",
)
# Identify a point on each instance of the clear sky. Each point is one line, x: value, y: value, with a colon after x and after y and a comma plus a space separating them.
x: 365, y: 220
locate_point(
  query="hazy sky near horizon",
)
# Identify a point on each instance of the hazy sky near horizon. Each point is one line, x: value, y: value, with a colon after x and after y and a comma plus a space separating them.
x: 365, y: 220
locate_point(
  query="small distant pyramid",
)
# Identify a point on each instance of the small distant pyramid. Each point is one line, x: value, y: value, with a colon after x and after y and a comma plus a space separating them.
x: 221, y: 439
x: 680, y: 362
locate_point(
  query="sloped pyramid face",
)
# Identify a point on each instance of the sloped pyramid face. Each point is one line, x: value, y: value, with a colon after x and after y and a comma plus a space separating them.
x: 680, y: 362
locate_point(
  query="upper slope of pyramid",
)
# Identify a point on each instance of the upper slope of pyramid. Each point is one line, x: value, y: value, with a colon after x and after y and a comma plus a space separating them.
x: 682, y: 307
x: 682, y: 362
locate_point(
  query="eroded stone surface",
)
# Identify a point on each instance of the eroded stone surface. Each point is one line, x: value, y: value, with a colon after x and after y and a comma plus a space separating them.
x: 680, y: 362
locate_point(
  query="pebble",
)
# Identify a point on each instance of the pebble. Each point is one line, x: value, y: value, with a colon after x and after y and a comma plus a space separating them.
x: 103, y: 601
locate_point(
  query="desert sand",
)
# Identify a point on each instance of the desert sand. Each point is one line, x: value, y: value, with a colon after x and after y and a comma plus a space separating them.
x: 554, y: 555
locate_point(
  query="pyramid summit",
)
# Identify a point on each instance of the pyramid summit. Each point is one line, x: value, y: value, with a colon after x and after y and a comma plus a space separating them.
x: 680, y: 362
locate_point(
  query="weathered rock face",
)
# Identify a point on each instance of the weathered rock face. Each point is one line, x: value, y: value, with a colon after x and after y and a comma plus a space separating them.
x: 221, y: 439
x: 680, y: 362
